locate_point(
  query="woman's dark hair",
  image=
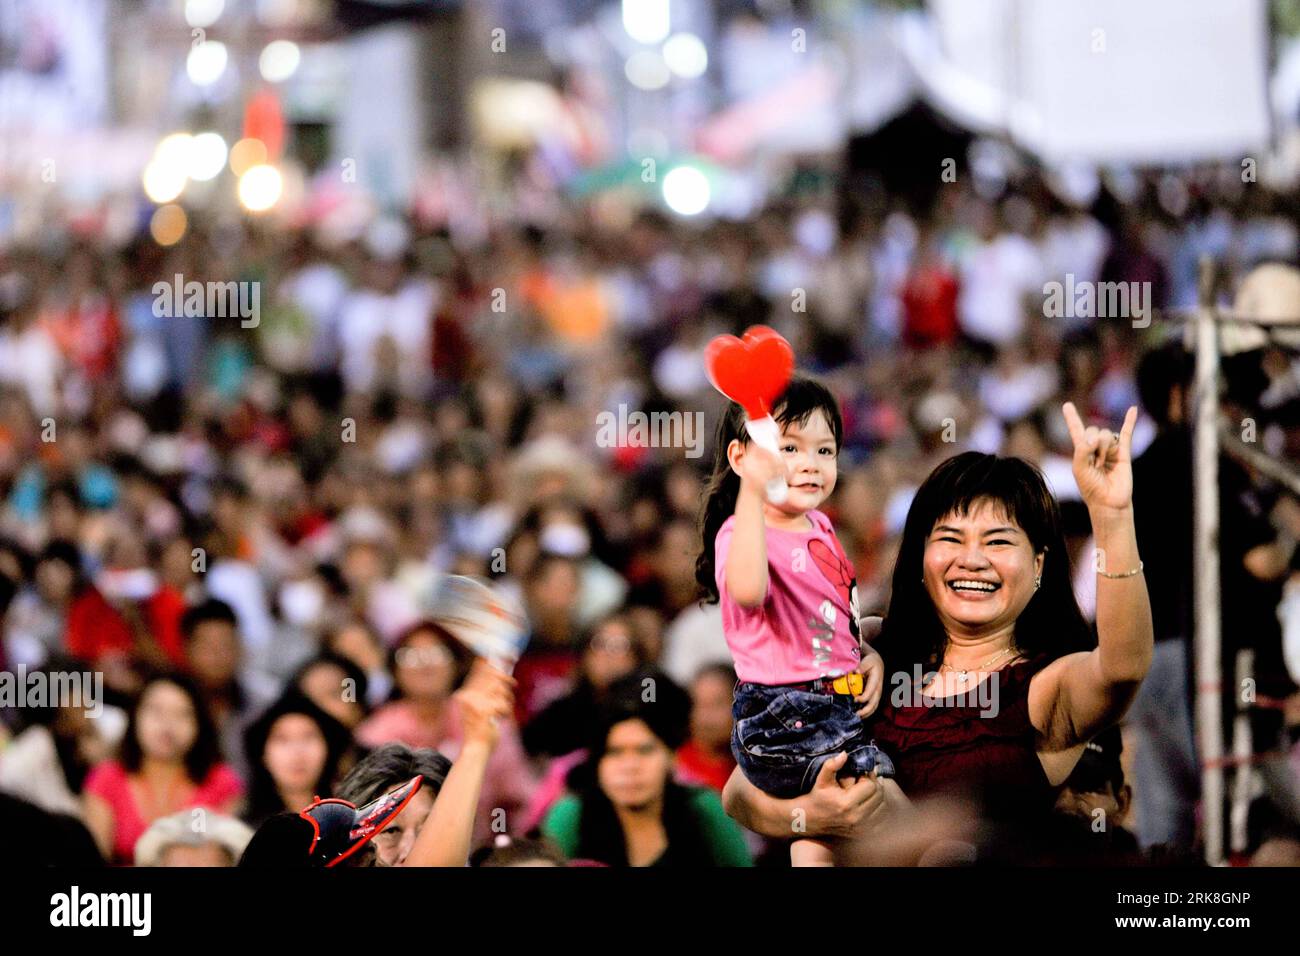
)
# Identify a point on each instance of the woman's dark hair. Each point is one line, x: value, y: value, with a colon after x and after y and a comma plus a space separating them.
x: 510, y: 852
x: 352, y: 672
x: 1051, y: 624
x: 600, y: 835
x: 801, y: 398
x: 204, y: 753
x: 25, y: 560
x: 719, y: 669
x: 391, y: 765
x: 69, y: 554
x: 66, y: 748
x: 462, y: 656
x: 210, y: 610
x: 264, y: 798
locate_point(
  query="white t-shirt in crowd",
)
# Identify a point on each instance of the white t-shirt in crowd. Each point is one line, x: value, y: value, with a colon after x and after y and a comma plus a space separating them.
x: 405, y: 317
x: 693, y: 640
x: 995, y: 278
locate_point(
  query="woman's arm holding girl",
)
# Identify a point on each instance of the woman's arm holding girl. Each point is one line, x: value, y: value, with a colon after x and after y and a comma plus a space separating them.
x: 830, y: 809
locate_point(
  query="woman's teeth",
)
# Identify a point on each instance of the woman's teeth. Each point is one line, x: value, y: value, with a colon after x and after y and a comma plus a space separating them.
x: 973, y: 585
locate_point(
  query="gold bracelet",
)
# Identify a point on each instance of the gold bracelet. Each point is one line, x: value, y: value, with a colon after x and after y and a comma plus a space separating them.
x: 1122, y: 574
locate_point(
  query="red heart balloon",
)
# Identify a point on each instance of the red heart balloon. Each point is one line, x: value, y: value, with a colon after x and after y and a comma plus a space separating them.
x: 752, y: 371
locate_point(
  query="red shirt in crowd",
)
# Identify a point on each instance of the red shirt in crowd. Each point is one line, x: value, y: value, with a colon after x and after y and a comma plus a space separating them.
x: 697, y: 766
x: 95, y: 627
x: 929, y: 306
x: 163, y: 612
x: 111, y: 782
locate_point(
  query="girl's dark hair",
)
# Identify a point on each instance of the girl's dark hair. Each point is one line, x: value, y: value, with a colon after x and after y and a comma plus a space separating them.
x: 600, y: 834
x: 264, y: 798
x: 801, y: 398
x: 1050, y: 626
x: 204, y: 753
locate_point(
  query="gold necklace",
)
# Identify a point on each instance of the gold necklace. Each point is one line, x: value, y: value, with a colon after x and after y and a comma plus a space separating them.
x: 963, y: 674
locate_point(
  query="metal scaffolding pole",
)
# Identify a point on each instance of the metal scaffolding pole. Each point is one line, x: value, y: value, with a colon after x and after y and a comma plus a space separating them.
x: 1207, y: 595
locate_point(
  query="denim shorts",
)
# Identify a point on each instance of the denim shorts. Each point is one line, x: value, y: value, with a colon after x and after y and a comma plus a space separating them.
x: 782, y: 736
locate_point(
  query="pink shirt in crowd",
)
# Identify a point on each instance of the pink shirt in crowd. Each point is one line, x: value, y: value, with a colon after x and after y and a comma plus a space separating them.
x: 111, y: 782
x: 807, y: 625
x: 508, y: 782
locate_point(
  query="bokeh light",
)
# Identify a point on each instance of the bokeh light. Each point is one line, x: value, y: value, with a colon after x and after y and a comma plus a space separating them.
x: 260, y: 188
x: 168, y: 224
x: 207, y: 156
x: 646, y: 21
x: 686, y: 191
x: 646, y: 70
x: 246, y: 154
x: 203, y: 13
x: 686, y: 55
x: 206, y: 63
x: 279, y: 61
x: 174, y: 149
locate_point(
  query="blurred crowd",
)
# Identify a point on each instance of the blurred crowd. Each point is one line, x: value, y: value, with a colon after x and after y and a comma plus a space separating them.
x: 238, y: 525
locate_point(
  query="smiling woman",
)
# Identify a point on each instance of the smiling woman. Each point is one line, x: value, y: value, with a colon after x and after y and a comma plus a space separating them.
x: 992, y: 605
x: 982, y: 594
x: 982, y: 567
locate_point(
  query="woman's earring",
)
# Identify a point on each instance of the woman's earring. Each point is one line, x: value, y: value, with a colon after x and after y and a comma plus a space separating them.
x: 1038, y: 582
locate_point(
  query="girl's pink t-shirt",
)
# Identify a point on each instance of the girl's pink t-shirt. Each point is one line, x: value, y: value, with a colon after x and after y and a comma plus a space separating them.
x: 807, y: 626
x: 110, y: 782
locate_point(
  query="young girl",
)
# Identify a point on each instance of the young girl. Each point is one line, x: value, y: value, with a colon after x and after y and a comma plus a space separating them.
x: 789, y: 605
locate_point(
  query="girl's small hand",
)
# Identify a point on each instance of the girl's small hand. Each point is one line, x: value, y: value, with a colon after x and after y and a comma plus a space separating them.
x: 872, y: 666
x: 756, y: 465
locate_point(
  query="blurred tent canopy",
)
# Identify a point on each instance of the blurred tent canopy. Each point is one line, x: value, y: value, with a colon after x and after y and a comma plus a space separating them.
x: 1110, y: 81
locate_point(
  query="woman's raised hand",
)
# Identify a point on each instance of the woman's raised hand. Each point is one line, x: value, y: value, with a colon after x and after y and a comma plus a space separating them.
x: 488, y: 695
x: 1103, y: 460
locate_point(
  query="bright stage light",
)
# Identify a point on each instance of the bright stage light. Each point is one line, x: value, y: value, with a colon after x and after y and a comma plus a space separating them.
x: 206, y: 63
x: 646, y: 70
x: 279, y: 60
x: 646, y: 21
x: 207, y: 156
x: 686, y: 191
x: 260, y: 188
x: 686, y: 55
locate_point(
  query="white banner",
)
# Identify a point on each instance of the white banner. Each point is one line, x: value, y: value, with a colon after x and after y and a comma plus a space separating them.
x: 1105, y: 81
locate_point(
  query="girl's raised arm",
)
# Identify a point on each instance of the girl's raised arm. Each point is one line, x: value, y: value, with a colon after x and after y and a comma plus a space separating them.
x: 746, y: 572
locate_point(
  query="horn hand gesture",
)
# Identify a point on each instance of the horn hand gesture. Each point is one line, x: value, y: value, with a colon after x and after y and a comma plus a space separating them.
x: 1103, y: 461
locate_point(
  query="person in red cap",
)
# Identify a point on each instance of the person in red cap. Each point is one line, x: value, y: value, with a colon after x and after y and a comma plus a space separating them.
x: 336, y: 832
